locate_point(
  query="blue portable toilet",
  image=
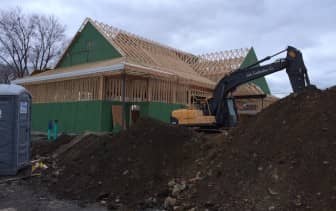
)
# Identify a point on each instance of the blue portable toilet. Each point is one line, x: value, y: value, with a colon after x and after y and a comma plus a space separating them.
x: 15, y: 120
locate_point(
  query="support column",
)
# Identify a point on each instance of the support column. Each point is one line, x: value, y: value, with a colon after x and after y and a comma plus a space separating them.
x: 123, y: 96
x: 149, y: 89
x: 175, y: 90
x: 101, y: 94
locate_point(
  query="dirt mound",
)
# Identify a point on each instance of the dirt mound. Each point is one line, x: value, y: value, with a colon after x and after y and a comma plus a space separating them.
x: 42, y: 148
x: 128, y: 168
x: 283, y: 159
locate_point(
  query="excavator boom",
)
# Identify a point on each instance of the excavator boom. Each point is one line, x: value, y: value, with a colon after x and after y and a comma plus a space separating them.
x: 295, y: 68
x: 223, y: 108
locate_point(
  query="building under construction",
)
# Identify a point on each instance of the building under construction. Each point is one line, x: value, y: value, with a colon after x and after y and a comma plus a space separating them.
x: 108, y: 77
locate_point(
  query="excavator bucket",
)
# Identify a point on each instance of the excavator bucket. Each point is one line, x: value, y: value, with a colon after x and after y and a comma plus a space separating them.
x: 296, y: 70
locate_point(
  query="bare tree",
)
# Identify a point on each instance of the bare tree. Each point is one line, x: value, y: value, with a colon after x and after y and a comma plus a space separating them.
x: 29, y: 41
x: 48, y: 42
x: 16, y: 32
x: 6, y: 73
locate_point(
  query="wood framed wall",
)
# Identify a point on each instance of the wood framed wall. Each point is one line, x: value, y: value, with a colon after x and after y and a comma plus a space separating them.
x: 65, y: 91
x: 138, y: 89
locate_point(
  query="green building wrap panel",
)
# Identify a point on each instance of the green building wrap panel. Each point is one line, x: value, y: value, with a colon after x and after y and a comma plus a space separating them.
x: 157, y: 110
x: 88, y: 46
x: 261, y: 82
x: 162, y: 111
x: 72, y: 116
x: 77, y: 117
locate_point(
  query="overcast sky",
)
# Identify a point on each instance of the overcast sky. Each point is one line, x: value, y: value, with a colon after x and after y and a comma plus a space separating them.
x: 213, y: 25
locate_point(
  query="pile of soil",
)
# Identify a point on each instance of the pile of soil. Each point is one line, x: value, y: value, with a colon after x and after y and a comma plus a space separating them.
x: 283, y: 159
x: 126, y: 169
x: 43, y: 147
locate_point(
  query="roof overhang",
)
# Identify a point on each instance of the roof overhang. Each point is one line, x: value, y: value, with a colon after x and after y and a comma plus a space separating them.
x: 78, y: 73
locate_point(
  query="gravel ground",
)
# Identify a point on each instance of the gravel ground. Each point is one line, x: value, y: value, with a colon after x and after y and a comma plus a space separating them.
x: 17, y: 196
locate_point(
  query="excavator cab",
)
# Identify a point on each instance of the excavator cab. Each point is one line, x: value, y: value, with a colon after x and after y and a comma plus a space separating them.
x: 197, y: 115
x: 201, y: 103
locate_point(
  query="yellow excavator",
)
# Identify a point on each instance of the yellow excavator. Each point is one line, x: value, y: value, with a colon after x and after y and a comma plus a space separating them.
x: 220, y: 110
x: 196, y: 115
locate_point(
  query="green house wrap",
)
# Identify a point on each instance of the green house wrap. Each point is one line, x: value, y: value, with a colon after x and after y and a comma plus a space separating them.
x: 88, y: 46
x: 251, y: 58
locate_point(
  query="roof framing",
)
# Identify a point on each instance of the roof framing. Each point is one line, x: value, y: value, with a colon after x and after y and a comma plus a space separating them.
x: 150, y: 57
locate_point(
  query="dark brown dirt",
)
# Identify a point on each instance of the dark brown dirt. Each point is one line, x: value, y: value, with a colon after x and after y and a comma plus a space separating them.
x: 43, y: 148
x: 283, y: 159
x: 126, y: 169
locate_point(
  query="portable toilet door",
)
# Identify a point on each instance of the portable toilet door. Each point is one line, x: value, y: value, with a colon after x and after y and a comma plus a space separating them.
x: 24, y: 129
x: 15, y: 119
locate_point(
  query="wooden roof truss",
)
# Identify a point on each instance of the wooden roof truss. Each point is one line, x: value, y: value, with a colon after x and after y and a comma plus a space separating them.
x: 142, y: 56
x: 141, y: 51
x: 218, y: 64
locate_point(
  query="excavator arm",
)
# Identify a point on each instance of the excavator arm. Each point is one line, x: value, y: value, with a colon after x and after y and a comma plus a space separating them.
x: 223, y: 107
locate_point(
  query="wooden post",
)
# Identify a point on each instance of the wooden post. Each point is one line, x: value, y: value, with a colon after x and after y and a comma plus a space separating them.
x: 149, y: 90
x: 174, y: 90
x: 123, y: 100
x: 101, y: 88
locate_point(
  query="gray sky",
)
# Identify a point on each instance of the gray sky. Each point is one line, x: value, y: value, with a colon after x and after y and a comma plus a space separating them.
x: 213, y: 25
